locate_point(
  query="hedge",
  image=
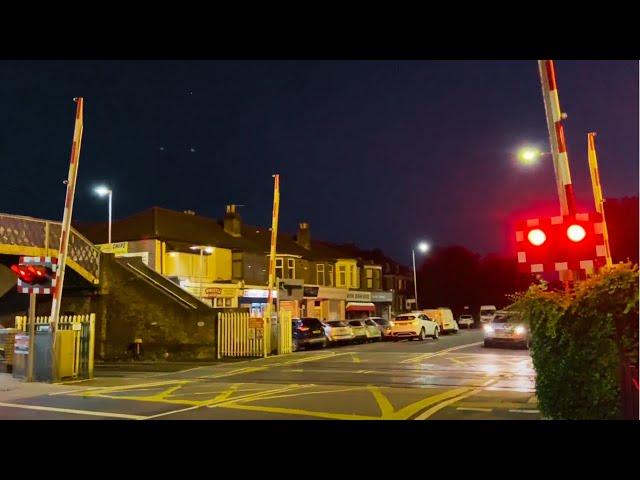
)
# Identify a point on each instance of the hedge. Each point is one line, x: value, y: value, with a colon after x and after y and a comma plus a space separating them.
x: 581, y: 340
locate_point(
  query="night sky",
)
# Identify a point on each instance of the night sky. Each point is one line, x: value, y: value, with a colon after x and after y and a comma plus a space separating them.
x: 379, y: 153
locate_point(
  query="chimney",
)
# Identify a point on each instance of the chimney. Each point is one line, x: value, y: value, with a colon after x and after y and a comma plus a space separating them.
x: 304, y: 236
x: 232, y: 221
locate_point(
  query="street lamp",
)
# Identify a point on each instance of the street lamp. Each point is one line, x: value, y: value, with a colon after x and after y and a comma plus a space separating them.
x: 102, y: 191
x: 423, y: 247
x: 530, y: 155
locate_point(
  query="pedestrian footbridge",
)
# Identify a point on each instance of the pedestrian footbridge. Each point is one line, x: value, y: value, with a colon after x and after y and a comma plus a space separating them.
x: 41, y: 238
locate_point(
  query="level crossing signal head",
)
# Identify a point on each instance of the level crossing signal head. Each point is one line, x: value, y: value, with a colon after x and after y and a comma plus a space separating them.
x: 554, y: 244
x: 33, y: 274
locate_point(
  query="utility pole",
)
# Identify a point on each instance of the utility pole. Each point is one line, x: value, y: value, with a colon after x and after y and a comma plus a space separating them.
x: 32, y: 336
x: 65, y: 230
x: 272, y: 257
x: 415, y: 281
x: 597, y: 192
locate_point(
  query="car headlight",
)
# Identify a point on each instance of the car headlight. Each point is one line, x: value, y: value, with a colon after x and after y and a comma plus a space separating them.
x: 391, y: 324
x: 488, y: 329
x: 415, y: 322
x: 520, y: 330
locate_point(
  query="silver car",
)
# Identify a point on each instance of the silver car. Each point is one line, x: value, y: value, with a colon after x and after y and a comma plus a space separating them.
x: 507, y: 328
x: 338, y: 332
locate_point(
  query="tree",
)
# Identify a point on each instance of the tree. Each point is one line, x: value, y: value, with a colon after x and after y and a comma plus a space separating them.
x: 622, y: 224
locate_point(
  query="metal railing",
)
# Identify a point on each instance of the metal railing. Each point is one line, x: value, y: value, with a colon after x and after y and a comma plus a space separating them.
x: 29, y: 235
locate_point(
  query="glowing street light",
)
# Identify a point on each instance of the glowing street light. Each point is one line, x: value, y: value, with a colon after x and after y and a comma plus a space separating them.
x: 530, y: 156
x: 423, y: 247
x: 103, y: 191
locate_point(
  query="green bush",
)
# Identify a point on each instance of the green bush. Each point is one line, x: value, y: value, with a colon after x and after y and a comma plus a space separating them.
x: 580, y: 340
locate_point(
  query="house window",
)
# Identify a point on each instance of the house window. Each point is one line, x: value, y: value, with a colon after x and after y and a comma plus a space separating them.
x: 353, y: 281
x: 377, y: 279
x: 320, y: 274
x: 291, y: 268
x: 330, y: 275
x: 236, y: 267
x: 369, y: 272
x: 279, y: 268
x: 342, y: 276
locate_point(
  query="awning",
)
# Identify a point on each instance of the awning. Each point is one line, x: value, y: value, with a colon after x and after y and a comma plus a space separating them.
x: 360, y: 307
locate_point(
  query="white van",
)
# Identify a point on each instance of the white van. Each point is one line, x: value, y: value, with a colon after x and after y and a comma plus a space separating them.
x: 487, y: 312
x: 444, y: 318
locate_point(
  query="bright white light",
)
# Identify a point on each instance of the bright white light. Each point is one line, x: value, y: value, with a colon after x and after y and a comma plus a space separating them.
x: 102, y: 190
x: 520, y: 330
x: 537, y: 237
x: 209, y: 249
x: 529, y: 156
x: 488, y: 329
x: 423, y: 247
x: 576, y: 233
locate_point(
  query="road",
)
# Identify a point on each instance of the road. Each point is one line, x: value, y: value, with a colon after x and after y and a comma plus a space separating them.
x: 454, y: 377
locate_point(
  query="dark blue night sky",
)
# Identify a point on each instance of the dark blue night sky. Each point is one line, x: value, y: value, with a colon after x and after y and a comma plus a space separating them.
x: 379, y: 153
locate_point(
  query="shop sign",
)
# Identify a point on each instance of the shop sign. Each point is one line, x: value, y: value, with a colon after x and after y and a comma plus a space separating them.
x: 359, y: 296
x: 258, y: 293
x: 330, y: 293
x: 381, y: 296
x: 120, y: 247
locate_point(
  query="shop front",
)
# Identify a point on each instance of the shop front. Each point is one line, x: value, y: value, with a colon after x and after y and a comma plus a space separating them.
x: 256, y: 299
x: 216, y: 295
x: 359, y: 305
x: 290, y: 296
x: 325, y: 303
x: 382, y: 302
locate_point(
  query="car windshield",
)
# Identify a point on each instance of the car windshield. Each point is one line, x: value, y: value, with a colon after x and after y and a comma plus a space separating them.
x: 355, y: 323
x: 465, y: 316
x: 371, y: 323
x: 381, y: 321
x: 405, y: 318
x: 487, y: 312
x: 336, y: 323
x: 311, y: 323
x: 506, y: 318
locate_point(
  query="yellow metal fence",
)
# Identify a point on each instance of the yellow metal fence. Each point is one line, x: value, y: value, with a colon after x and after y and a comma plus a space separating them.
x: 240, y: 335
x: 83, y: 327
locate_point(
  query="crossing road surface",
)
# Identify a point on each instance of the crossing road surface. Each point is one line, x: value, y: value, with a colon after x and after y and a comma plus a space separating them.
x: 451, y: 378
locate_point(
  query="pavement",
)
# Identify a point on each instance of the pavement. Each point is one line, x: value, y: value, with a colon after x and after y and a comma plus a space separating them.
x: 453, y: 378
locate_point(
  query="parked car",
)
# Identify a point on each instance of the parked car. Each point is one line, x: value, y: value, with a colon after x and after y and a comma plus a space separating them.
x: 507, y: 328
x: 373, y: 332
x: 307, y: 332
x: 487, y: 313
x: 444, y: 318
x: 384, y: 326
x: 338, y: 331
x: 359, y: 330
x: 414, y: 325
x: 466, y: 320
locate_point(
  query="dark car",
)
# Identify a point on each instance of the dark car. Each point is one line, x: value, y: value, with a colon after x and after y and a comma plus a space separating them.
x: 308, y: 332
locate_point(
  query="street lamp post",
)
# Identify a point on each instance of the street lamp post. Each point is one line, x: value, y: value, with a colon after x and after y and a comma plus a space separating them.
x: 423, y: 247
x: 102, y: 191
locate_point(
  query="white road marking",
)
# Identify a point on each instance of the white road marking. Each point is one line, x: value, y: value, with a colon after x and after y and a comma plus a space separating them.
x: 524, y: 411
x: 72, y: 411
x: 474, y: 409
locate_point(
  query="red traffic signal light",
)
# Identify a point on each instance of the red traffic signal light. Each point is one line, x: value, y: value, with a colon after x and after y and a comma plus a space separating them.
x: 556, y: 244
x: 536, y: 237
x: 576, y: 233
x: 32, y: 274
x: 36, y: 274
